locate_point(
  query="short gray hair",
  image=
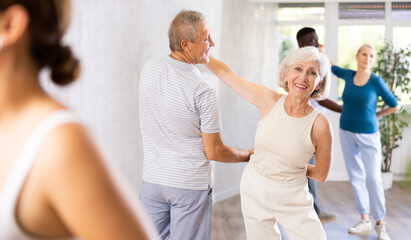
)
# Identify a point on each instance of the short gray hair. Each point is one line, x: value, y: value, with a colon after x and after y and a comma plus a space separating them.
x: 184, y: 26
x: 307, y: 54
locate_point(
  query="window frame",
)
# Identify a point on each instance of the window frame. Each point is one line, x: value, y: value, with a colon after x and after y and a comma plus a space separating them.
x: 331, y: 23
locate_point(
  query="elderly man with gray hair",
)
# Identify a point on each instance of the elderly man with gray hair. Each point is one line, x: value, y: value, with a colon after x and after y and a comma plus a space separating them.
x: 180, y: 125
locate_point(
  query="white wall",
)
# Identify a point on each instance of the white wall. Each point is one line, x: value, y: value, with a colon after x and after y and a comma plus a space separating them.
x: 402, y: 155
x: 114, y: 39
x: 249, y: 46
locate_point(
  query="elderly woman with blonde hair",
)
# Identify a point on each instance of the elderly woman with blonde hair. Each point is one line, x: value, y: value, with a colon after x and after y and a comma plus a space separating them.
x: 290, y: 131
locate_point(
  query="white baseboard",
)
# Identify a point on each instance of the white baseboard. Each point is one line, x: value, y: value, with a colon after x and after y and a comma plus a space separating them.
x: 223, y: 195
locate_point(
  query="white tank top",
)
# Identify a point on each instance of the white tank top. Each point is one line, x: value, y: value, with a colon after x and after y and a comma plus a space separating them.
x: 9, y: 228
x: 283, y: 144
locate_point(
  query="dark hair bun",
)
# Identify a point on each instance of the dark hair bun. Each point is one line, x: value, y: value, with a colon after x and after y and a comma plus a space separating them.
x: 47, y: 26
x: 65, y: 68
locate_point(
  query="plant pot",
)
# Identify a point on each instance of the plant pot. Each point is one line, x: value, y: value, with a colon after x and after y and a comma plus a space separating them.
x: 387, y: 178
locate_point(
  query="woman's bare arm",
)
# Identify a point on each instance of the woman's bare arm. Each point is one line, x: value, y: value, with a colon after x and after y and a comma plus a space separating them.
x: 322, y: 140
x: 256, y: 94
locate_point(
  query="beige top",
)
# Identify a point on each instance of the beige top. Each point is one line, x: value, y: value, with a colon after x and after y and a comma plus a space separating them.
x: 283, y: 144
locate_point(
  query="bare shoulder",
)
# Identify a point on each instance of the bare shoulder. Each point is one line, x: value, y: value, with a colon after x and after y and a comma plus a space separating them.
x: 74, y: 169
x: 321, y: 124
x: 69, y: 152
x: 321, y: 131
x: 79, y: 180
x: 69, y: 143
x: 62, y: 166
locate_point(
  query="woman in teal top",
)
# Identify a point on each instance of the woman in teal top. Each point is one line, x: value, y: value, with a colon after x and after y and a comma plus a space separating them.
x: 360, y: 138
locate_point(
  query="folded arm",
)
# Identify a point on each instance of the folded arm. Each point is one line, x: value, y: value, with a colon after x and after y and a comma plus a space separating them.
x: 388, y: 111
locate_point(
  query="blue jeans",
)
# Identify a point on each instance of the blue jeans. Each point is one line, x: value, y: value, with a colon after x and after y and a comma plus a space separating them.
x: 178, y: 214
x: 362, y: 154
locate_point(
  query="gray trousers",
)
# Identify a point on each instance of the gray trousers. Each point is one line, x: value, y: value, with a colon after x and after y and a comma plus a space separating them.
x: 178, y: 214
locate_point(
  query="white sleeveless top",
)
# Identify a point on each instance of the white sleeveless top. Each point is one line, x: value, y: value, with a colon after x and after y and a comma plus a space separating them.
x: 9, y: 228
x: 283, y: 144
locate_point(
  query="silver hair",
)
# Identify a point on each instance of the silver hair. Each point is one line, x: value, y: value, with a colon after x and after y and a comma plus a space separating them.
x: 307, y: 54
x: 184, y: 26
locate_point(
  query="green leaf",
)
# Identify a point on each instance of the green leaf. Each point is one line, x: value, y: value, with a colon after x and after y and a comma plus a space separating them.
x: 398, y: 76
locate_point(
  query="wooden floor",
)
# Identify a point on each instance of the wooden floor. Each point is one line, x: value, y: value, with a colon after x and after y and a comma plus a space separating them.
x: 336, y: 197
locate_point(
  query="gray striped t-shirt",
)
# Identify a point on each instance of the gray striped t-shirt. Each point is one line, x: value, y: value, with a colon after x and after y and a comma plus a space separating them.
x: 176, y: 106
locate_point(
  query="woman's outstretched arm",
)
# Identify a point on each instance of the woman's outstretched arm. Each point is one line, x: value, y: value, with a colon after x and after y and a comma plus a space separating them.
x: 256, y: 94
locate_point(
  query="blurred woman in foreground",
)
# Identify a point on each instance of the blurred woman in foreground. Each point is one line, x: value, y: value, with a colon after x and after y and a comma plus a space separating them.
x: 54, y: 182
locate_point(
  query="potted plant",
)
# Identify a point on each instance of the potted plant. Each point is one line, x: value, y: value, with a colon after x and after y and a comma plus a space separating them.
x: 393, y: 65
